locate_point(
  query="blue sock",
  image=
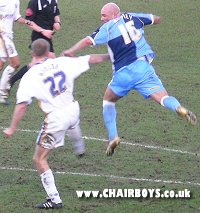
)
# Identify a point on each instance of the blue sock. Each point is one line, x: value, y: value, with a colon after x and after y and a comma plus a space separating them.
x: 170, y: 103
x: 109, y: 116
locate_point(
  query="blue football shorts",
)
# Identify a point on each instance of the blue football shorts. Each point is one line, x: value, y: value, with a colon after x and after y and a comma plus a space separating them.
x: 139, y: 76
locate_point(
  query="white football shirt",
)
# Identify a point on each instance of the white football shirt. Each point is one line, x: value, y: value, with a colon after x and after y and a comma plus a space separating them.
x: 9, y: 12
x: 52, y: 82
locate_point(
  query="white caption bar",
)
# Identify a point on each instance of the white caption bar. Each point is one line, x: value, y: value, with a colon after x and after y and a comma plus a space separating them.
x: 134, y: 193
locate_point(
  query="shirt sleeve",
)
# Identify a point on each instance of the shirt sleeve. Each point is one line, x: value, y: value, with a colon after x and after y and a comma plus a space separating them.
x: 24, y: 92
x: 76, y: 66
x: 57, y: 13
x: 99, y: 36
x: 17, y: 14
x: 31, y: 10
x: 147, y: 19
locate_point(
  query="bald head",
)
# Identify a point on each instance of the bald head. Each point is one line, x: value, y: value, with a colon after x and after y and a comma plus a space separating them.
x: 40, y: 48
x: 109, y: 11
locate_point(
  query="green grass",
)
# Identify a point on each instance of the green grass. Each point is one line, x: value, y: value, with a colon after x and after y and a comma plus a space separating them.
x: 160, y: 149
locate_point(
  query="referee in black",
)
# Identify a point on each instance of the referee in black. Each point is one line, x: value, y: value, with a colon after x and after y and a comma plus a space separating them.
x: 45, y: 13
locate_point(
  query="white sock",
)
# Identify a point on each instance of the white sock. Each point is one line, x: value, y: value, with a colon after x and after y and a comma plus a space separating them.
x: 5, y: 77
x: 75, y: 136
x: 48, y: 183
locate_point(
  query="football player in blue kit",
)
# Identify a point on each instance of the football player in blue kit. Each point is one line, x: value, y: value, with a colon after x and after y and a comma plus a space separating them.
x: 131, y: 57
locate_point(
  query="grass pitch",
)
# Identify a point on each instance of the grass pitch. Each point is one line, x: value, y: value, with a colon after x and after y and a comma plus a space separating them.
x: 158, y: 149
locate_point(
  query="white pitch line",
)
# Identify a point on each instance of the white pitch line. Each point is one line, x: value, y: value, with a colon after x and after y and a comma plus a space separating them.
x: 147, y: 146
x: 126, y: 143
x: 109, y: 176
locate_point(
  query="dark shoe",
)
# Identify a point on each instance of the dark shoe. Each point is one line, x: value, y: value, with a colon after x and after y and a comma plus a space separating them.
x: 48, y: 204
x: 81, y: 155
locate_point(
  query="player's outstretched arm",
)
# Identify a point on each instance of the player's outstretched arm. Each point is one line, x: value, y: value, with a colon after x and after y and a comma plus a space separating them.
x: 83, y: 43
x: 18, y: 114
x: 98, y: 58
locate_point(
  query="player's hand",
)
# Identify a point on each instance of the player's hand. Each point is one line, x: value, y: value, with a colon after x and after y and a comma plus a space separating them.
x: 8, y: 132
x: 56, y: 26
x: 48, y: 33
x: 67, y: 53
x: 28, y: 22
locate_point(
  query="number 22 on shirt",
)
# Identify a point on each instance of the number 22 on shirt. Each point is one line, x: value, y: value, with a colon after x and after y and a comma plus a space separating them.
x: 56, y: 83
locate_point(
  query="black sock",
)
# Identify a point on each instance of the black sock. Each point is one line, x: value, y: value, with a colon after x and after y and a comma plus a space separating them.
x: 18, y: 75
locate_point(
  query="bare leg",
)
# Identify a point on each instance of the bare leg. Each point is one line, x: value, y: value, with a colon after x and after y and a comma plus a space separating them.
x: 47, y: 178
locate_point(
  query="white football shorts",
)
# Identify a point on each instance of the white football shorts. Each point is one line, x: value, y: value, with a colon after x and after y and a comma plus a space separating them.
x: 56, y: 124
x: 7, y: 46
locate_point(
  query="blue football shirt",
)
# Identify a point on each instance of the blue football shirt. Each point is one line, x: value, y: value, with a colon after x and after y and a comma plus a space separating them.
x: 125, y: 39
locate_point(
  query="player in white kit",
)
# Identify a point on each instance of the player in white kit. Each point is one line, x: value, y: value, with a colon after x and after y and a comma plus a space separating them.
x: 51, y: 82
x: 10, y: 13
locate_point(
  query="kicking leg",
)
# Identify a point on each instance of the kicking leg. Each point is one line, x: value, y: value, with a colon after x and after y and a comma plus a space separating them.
x: 173, y: 104
x: 75, y: 136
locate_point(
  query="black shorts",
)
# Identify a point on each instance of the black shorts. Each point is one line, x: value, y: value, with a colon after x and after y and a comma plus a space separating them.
x: 36, y: 35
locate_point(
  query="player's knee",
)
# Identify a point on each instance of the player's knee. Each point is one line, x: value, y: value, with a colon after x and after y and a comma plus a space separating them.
x: 36, y: 161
